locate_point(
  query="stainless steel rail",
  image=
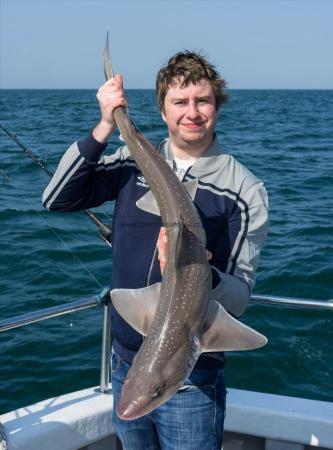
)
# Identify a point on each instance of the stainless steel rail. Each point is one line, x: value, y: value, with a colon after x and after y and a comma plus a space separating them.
x: 104, y: 299
x: 291, y: 301
x: 106, y: 351
x: 98, y: 300
x: 47, y: 313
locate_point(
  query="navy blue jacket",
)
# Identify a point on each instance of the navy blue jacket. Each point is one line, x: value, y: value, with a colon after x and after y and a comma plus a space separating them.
x: 231, y: 201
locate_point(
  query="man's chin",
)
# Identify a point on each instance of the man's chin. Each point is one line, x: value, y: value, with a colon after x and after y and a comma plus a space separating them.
x: 197, y: 137
x: 192, y: 140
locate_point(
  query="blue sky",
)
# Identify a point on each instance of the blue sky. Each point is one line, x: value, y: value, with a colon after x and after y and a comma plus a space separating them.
x: 254, y: 44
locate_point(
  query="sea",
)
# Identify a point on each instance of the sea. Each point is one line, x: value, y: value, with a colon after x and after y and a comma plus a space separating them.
x: 46, y: 258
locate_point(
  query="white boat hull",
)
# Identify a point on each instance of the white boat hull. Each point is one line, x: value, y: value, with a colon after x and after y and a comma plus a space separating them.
x: 83, y: 420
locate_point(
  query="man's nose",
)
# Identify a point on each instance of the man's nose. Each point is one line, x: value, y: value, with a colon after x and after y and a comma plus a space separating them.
x: 192, y: 110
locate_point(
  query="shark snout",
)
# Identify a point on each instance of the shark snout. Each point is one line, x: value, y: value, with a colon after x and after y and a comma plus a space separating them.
x: 127, y: 411
x: 132, y: 409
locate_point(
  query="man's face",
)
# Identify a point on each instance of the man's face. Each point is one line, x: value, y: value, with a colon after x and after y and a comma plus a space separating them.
x: 190, y: 114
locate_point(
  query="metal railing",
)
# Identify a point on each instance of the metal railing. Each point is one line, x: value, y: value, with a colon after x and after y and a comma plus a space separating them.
x: 291, y: 301
x: 103, y: 299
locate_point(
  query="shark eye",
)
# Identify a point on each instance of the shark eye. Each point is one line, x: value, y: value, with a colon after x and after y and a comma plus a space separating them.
x: 158, y: 391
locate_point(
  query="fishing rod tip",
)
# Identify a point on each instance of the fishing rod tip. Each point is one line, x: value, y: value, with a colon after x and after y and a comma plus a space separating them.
x: 106, y: 48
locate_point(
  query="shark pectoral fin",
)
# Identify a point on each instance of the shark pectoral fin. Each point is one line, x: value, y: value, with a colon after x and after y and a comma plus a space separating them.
x: 222, y: 332
x: 137, y: 306
x: 191, y: 187
x: 148, y: 203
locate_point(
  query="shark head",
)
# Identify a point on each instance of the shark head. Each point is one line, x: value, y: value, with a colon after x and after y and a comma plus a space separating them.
x: 148, y: 386
x: 141, y: 396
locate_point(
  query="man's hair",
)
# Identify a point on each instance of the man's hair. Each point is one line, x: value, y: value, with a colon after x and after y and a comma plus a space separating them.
x: 189, y: 67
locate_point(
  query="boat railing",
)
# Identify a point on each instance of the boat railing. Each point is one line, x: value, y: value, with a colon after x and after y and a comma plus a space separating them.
x: 291, y: 301
x: 103, y: 299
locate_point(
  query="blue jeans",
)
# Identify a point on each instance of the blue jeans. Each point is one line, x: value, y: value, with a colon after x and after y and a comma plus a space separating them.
x: 191, y: 420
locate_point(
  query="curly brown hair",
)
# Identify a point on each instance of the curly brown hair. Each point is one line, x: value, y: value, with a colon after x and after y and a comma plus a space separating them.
x: 189, y: 67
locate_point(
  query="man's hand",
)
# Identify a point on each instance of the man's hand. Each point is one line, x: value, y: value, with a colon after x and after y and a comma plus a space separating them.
x: 110, y: 95
x: 162, y: 248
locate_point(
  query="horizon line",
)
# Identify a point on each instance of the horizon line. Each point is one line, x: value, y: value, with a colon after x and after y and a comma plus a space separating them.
x: 153, y: 89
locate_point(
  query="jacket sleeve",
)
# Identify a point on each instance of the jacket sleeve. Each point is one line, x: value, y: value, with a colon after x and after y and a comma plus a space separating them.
x: 232, y: 287
x: 82, y: 181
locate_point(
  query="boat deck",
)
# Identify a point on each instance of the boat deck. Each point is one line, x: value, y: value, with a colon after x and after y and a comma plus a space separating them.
x: 255, y: 421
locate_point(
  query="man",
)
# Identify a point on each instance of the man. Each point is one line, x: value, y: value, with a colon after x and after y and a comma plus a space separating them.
x: 232, y: 204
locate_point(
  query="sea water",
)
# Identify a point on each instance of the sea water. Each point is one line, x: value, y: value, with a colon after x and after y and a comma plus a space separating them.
x: 283, y: 136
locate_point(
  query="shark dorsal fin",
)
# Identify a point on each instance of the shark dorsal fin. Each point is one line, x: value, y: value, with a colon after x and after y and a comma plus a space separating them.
x: 148, y: 203
x: 137, y: 306
x: 222, y: 332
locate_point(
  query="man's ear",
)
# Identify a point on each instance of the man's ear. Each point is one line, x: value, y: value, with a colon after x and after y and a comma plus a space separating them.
x: 163, y: 116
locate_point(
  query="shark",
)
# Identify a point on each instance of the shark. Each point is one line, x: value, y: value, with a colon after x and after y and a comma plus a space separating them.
x: 177, y: 316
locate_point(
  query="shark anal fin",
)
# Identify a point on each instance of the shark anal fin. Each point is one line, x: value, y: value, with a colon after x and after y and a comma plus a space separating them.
x: 137, y: 306
x: 222, y: 332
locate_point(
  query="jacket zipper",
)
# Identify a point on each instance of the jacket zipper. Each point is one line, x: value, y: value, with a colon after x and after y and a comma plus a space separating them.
x: 151, y: 266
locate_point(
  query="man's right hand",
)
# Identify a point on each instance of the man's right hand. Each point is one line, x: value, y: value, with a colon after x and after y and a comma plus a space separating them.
x: 110, y: 95
x: 161, y: 245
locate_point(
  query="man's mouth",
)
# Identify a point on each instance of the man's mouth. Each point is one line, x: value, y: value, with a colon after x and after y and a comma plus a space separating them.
x: 192, y: 125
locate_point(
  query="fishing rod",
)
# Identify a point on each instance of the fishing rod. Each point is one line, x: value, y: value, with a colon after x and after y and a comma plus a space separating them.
x: 104, y: 231
x: 57, y: 235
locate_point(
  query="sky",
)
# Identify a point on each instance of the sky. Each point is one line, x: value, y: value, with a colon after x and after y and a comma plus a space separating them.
x: 255, y: 44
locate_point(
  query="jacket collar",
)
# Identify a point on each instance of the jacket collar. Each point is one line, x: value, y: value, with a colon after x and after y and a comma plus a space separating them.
x: 213, y: 159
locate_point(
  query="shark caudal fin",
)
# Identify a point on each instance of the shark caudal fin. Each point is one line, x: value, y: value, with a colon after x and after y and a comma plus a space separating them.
x: 137, y: 306
x: 148, y: 203
x: 223, y: 333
